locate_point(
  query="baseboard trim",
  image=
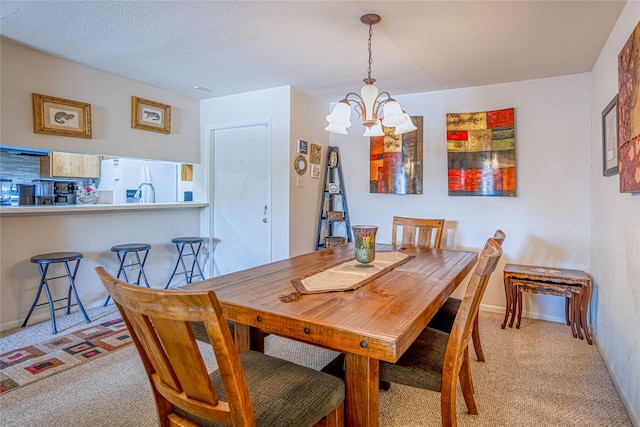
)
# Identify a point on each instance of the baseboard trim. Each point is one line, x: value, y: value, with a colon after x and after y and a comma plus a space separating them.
x: 525, y: 314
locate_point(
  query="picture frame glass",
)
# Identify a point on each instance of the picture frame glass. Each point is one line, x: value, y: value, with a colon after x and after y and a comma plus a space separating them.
x: 63, y: 117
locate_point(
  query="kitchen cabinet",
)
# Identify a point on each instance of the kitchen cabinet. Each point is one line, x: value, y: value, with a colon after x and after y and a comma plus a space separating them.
x: 69, y: 165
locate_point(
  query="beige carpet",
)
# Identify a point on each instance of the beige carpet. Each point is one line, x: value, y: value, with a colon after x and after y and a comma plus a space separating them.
x: 536, y: 376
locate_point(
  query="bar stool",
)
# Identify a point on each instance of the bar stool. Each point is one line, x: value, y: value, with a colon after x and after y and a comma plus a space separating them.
x: 122, y: 251
x: 44, y: 261
x: 181, y: 243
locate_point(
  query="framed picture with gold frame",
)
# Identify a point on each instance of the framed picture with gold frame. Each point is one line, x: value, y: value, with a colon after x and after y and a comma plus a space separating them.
x: 316, y: 154
x: 62, y: 117
x: 150, y: 115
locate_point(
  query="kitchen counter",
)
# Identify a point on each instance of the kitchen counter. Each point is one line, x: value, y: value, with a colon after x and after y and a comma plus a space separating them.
x: 93, y: 207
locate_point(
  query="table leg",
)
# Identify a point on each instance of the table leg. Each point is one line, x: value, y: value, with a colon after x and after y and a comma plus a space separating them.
x: 572, y: 315
x: 362, y: 375
x: 576, y: 314
x: 567, y: 307
x: 519, y: 298
x: 584, y: 306
x: 507, y: 296
x: 242, y: 337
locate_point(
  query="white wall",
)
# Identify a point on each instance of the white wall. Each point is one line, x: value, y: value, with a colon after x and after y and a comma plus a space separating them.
x: 25, y: 71
x: 615, y: 229
x: 306, y: 124
x: 547, y: 224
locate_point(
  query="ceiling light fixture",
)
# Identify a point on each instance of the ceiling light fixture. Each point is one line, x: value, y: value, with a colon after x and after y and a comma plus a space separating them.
x: 371, y: 105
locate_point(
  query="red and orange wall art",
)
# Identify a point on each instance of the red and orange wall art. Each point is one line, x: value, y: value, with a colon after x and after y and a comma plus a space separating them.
x: 629, y: 114
x: 396, y: 161
x: 481, y: 153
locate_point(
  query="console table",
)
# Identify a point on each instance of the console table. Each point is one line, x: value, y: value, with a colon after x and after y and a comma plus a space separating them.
x: 574, y: 285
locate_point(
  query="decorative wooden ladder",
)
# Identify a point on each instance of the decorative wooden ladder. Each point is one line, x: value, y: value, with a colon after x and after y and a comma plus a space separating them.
x: 333, y: 220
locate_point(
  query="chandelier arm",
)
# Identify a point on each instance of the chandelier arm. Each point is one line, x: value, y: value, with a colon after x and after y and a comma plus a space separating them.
x: 358, y: 103
x: 379, y: 102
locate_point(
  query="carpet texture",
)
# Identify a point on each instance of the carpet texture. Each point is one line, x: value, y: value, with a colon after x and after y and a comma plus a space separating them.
x: 536, y: 376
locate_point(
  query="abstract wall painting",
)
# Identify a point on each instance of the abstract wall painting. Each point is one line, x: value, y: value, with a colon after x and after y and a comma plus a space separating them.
x: 481, y: 153
x: 396, y: 161
x: 629, y: 114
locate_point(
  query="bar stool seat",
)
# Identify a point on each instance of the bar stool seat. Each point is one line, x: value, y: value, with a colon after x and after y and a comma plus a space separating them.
x: 44, y: 261
x: 182, y: 243
x: 122, y: 251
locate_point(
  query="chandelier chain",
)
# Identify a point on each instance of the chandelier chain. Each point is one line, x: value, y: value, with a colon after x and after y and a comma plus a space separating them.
x: 370, y: 61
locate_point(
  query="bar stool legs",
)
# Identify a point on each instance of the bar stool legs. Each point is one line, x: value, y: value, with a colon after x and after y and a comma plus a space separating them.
x: 43, y: 262
x: 122, y: 251
x: 181, y: 243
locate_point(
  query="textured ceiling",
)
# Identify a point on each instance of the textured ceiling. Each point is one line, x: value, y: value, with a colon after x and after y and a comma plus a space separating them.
x: 319, y: 47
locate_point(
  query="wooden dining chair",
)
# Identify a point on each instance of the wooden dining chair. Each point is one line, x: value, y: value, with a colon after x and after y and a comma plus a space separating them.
x: 424, y: 233
x: 437, y: 359
x: 444, y: 318
x: 247, y: 389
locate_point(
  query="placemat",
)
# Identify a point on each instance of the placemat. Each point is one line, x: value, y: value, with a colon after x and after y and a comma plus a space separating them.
x: 346, y: 276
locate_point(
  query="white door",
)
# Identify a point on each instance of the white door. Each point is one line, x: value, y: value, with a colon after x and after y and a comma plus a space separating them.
x: 241, y: 197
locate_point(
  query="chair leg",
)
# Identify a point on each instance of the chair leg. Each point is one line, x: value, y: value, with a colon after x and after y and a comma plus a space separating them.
x: 475, y: 335
x: 467, y: 384
x: 35, y: 302
x: 72, y: 288
x: 448, y: 397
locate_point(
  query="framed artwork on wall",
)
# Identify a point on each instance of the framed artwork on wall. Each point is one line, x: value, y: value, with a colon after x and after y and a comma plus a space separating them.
x: 302, y: 147
x: 150, y: 115
x: 62, y: 117
x: 315, y: 171
x: 629, y: 114
x: 315, y: 155
x: 610, y: 138
x: 481, y: 153
x: 395, y: 161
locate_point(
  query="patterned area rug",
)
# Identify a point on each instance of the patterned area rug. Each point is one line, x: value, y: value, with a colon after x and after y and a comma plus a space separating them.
x: 29, y: 364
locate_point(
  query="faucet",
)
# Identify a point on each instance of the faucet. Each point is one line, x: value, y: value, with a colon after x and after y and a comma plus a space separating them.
x: 138, y: 194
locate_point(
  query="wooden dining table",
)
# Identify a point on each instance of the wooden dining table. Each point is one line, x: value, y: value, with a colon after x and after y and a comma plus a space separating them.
x: 377, y: 321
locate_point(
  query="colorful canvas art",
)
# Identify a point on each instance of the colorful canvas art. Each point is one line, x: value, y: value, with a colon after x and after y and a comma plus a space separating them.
x: 629, y: 114
x: 481, y: 152
x: 396, y: 161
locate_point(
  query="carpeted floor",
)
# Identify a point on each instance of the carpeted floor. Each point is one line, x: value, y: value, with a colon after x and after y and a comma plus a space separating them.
x: 536, y: 376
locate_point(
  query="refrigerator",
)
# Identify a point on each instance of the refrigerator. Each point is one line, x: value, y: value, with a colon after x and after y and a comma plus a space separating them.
x: 123, y: 176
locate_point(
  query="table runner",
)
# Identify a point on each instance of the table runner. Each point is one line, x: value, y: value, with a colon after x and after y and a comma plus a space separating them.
x: 346, y: 276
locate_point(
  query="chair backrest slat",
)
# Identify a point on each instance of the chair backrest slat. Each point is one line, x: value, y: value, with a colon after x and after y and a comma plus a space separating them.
x: 424, y: 233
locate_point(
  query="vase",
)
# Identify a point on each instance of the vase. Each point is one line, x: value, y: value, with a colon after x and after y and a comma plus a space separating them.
x: 364, y: 237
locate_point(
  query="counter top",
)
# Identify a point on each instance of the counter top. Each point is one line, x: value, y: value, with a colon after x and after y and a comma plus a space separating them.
x: 93, y: 207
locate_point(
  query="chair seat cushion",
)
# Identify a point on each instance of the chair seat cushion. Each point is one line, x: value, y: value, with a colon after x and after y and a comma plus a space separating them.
x: 421, y: 365
x: 282, y: 393
x: 444, y: 318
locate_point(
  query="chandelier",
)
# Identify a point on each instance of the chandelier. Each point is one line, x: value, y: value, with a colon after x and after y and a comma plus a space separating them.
x: 374, y: 108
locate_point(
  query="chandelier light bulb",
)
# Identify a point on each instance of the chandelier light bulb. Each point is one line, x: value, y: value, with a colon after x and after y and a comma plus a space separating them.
x: 375, y: 130
x: 340, y: 116
x: 406, y: 127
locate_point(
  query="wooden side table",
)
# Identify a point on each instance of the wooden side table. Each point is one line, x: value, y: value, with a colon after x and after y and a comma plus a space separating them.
x: 574, y: 285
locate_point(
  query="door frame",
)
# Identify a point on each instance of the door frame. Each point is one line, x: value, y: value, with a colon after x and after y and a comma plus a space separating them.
x: 206, y: 219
